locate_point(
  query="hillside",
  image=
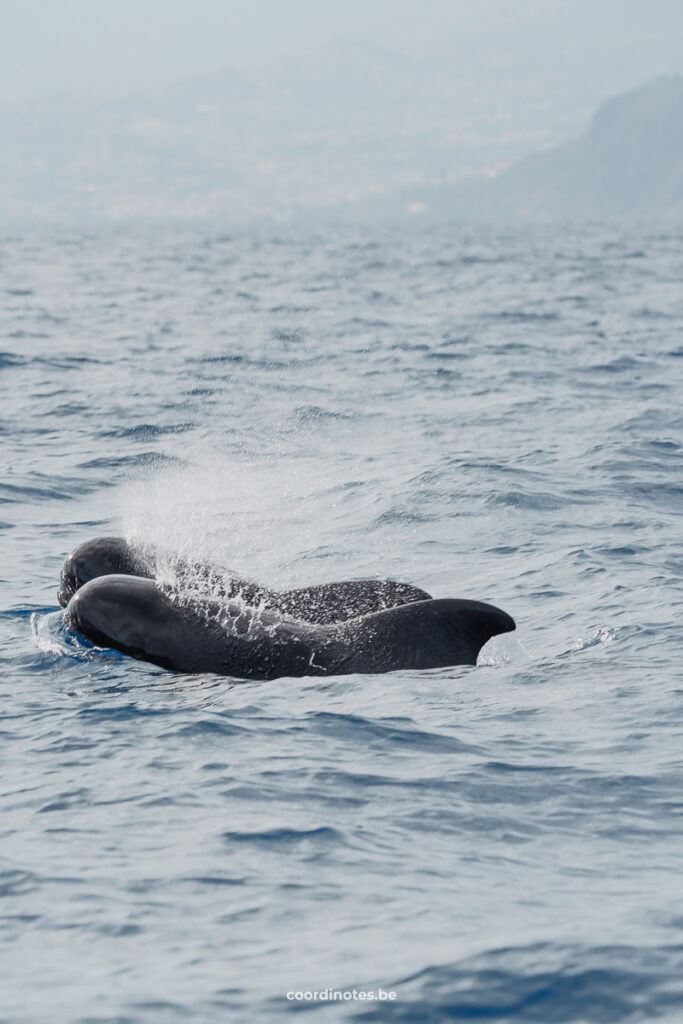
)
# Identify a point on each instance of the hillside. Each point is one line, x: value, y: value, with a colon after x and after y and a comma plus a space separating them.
x: 628, y: 164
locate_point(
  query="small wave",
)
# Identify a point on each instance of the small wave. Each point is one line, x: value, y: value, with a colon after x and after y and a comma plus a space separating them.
x: 647, y: 313
x: 279, y: 837
x: 226, y: 357
x: 619, y: 365
x: 524, y: 499
x: 204, y: 728
x: 386, y: 732
x: 293, y: 335
x: 122, y: 712
x: 143, y: 431
x: 289, y: 308
x: 542, y: 983
x: 623, y: 551
x: 17, y: 492
x: 15, y: 882
x: 125, y: 461
x: 602, y: 635
x: 316, y: 414
x: 64, y: 362
x: 441, y: 353
x: 403, y: 516
x: 521, y: 316
x: 51, y: 636
x: 33, y: 335
x: 8, y: 359
x: 373, y: 324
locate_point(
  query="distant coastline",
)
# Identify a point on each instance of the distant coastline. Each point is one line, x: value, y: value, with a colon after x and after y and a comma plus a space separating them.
x: 374, y: 142
x: 627, y: 165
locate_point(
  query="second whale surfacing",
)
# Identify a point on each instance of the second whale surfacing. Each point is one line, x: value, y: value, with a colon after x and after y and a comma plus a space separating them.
x: 325, y: 604
x: 137, y: 616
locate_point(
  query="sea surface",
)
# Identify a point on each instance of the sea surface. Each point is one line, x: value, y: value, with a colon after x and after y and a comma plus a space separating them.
x: 489, y: 414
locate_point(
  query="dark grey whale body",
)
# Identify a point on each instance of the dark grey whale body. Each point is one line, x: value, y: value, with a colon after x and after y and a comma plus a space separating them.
x: 324, y: 604
x: 136, y: 616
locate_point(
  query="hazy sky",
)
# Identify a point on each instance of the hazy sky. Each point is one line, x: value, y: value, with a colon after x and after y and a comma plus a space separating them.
x: 49, y: 46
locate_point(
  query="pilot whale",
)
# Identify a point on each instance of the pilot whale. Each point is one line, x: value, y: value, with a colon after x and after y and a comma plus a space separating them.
x: 138, y: 616
x: 323, y: 604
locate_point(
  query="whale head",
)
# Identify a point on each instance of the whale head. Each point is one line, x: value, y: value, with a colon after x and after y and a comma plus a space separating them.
x: 102, y: 556
x: 129, y: 613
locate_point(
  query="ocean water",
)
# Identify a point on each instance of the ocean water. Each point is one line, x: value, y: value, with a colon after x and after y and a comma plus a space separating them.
x: 488, y: 414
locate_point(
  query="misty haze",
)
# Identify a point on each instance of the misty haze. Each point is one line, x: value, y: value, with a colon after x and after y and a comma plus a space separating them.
x: 373, y: 113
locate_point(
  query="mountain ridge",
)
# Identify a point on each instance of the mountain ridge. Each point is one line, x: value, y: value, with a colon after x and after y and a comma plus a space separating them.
x: 628, y: 163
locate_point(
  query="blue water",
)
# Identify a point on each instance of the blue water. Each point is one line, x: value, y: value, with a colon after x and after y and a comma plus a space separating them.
x: 491, y: 415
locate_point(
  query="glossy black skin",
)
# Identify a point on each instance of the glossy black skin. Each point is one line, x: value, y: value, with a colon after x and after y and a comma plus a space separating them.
x: 324, y: 604
x: 105, y: 556
x: 135, y: 616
